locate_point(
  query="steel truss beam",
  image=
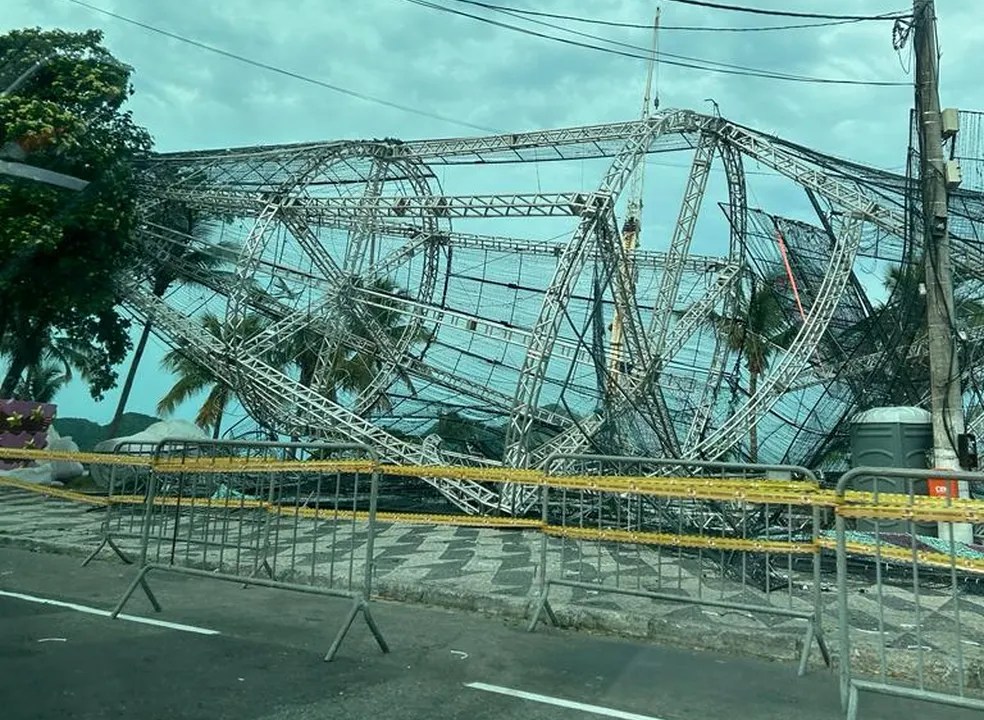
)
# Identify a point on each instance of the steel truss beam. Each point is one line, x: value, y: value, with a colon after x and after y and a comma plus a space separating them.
x: 418, y: 239
x: 317, y: 210
x: 563, y: 143
x: 850, y: 196
x: 295, y: 408
x: 274, y: 184
x: 558, y: 293
x: 738, y: 221
x: 578, y: 437
x: 669, y: 285
x: 855, y: 199
x: 269, y: 306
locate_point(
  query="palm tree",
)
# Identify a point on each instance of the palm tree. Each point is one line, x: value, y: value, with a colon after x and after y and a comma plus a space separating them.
x: 347, y: 370
x: 177, y: 262
x: 23, y: 345
x: 41, y: 382
x: 193, y: 377
x: 755, y: 332
x: 57, y: 358
x: 899, y: 322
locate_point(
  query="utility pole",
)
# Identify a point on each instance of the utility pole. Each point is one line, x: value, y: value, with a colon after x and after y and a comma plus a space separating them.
x: 944, y: 370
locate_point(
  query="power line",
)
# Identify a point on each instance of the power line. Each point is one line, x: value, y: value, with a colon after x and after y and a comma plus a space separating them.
x: 789, y: 13
x: 281, y: 71
x: 647, y: 50
x: 649, y: 26
x: 677, y: 60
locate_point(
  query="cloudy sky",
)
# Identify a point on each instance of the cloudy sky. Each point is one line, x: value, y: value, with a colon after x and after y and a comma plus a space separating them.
x: 475, y: 75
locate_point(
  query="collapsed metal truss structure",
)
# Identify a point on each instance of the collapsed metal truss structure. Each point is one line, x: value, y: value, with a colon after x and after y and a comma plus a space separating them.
x: 361, y: 299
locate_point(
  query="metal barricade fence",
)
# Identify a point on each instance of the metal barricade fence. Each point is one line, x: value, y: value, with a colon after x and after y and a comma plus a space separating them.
x: 126, y: 491
x: 928, y: 628
x: 295, y: 516
x: 713, y: 534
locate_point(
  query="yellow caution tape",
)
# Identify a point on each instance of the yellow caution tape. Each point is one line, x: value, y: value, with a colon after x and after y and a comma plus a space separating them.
x: 779, y: 492
x: 51, y: 491
x: 897, y: 507
x: 79, y: 457
x: 928, y: 512
x: 702, y: 542
x: 459, y: 520
x: 888, y: 506
x: 905, y: 555
x: 490, y: 473
x: 259, y: 465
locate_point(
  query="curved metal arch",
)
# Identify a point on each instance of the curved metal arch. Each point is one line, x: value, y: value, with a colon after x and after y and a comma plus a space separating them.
x: 227, y: 188
x: 649, y: 359
x: 569, y: 265
x: 431, y: 236
x: 803, y: 345
x: 734, y: 172
x: 251, y: 251
x: 392, y: 348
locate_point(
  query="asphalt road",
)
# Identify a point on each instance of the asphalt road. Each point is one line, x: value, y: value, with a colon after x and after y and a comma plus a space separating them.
x: 264, y: 662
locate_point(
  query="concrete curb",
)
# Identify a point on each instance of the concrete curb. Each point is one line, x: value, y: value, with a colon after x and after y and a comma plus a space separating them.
x: 46, y: 546
x: 748, y: 642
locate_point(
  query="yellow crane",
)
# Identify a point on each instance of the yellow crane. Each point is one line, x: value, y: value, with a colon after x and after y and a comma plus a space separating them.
x: 633, y: 215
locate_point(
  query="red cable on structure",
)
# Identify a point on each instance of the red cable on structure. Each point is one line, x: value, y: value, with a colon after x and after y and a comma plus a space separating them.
x: 789, y: 270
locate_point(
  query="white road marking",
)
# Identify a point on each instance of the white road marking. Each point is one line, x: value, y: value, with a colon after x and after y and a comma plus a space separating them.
x: 106, y: 613
x: 41, y: 640
x: 460, y: 654
x: 560, y: 702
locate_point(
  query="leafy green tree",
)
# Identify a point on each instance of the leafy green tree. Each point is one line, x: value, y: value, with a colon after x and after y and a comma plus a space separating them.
x: 65, y: 253
x: 61, y: 357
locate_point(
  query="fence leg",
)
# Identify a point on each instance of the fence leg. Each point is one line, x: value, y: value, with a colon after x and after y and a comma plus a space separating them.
x: 374, y: 629
x: 141, y: 580
x: 822, y: 644
x: 852, y: 703
x: 107, y: 540
x: 346, y: 626
x: 90, y: 556
x: 807, y: 645
x: 542, y: 607
x: 256, y: 569
x: 112, y: 546
x: 358, y: 606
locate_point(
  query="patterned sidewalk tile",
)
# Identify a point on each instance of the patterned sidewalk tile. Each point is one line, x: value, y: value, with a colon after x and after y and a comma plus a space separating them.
x: 506, y: 563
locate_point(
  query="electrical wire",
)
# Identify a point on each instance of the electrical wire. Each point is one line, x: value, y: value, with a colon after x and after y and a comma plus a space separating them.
x: 648, y: 26
x: 673, y: 59
x: 287, y: 73
x: 789, y: 13
x: 648, y: 51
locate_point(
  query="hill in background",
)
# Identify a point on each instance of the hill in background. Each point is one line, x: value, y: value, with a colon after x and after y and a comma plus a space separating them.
x: 88, y: 434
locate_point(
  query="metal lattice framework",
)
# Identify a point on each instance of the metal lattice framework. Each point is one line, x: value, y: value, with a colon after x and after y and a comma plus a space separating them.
x: 362, y: 300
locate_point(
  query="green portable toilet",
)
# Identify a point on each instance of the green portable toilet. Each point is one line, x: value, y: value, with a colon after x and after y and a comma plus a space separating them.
x: 899, y: 437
